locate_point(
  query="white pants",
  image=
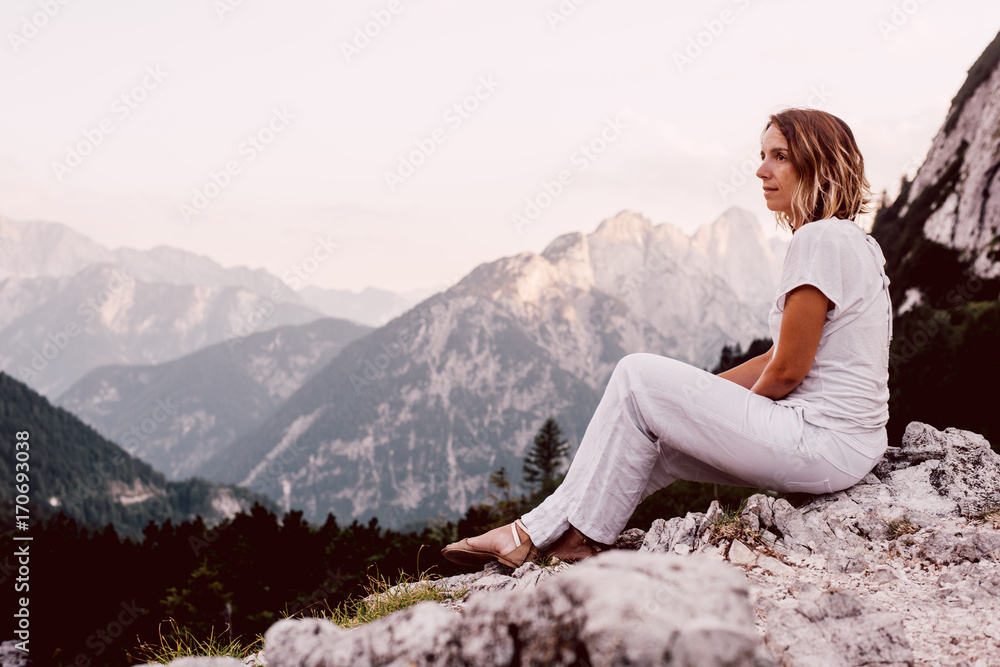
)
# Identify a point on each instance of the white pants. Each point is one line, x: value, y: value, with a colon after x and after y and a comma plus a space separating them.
x: 661, y: 420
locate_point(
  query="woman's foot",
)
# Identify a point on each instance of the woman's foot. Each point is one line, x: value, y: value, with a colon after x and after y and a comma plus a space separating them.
x: 500, y: 544
x: 571, y: 547
x: 499, y: 540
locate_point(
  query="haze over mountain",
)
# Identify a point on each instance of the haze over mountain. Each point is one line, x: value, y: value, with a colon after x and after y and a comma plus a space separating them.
x: 69, y: 304
x: 371, y: 306
x: 49, y: 249
x: 408, y: 422
x: 213, y: 395
x: 103, y: 315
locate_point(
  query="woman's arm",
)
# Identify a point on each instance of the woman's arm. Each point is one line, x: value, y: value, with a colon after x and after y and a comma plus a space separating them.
x: 801, y: 329
x: 747, y: 373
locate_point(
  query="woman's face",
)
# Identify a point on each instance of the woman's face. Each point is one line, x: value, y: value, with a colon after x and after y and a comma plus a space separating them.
x: 776, y: 172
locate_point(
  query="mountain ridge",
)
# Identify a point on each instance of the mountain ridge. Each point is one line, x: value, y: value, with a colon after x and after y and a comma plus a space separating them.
x: 410, y: 420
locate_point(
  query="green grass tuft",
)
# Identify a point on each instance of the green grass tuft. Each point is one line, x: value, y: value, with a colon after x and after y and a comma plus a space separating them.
x: 730, y: 525
x: 384, y: 597
x: 900, y: 527
x: 181, y: 643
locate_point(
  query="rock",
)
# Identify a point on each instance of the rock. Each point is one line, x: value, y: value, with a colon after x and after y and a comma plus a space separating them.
x: 740, y: 554
x: 945, y: 547
x: 630, y: 539
x: 774, y: 566
x: 617, y: 608
x: 662, y: 536
x: 11, y: 656
x: 966, y: 472
x: 837, y: 629
x: 198, y: 662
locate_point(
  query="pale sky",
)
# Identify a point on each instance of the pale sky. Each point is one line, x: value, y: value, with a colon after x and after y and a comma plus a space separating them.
x: 116, y: 112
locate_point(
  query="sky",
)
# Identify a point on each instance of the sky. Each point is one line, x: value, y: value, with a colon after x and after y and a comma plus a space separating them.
x: 421, y: 138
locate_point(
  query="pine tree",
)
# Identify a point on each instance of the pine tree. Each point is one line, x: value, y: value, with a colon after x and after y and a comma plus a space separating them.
x: 505, y: 509
x: 545, y: 458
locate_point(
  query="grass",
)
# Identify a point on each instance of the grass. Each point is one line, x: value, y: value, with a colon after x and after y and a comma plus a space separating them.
x: 384, y: 597
x: 990, y: 515
x: 729, y: 525
x: 180, y: 643
x: 900, y: 527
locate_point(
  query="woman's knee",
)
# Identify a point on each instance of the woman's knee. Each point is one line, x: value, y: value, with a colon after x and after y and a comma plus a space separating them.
x: 632, y: 366
x: 635, y: 362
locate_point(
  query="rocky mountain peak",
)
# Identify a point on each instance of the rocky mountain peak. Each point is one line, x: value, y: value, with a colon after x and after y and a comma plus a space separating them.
x: 625, y: 226
x: 36, y: 249
x: 958, y: 182
x: 734, y: 226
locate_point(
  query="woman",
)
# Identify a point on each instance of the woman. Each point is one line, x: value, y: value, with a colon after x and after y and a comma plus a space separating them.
x: 808, y: 415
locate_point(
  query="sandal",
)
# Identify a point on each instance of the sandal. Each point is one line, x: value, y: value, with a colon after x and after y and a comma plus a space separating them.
x: 464, y: 553
x: 598, y: 547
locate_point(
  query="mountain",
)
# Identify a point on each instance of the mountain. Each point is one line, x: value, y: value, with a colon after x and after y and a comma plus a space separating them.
x: 753, y: 276
x: 48, y: 249
x: 39, y: 249
x: 370, y: 306
x: 941, y: 239
x: 205, y: 399
x: 408, y: 422
x: 949, y: 215
x: 74, y: 470
x: 104, y: 315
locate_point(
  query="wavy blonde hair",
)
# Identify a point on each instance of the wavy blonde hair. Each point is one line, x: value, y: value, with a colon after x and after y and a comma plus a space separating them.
x: 832, y: 182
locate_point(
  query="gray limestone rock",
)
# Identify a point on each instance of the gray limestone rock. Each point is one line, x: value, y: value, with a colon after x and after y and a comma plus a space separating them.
x: 837, y: 629
x: 960, y: 465
x: 630, y: 539
x: 199, y: 662
x: 663, y: 536
x: 616, y: 608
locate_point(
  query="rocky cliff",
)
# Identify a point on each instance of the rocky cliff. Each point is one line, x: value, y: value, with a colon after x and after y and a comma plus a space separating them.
x: 901, y: 569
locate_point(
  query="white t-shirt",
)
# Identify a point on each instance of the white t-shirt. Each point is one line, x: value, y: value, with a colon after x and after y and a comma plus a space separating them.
x: 847, y: 387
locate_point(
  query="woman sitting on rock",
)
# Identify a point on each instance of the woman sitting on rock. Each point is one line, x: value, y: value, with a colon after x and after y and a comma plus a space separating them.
x: 807, y: 416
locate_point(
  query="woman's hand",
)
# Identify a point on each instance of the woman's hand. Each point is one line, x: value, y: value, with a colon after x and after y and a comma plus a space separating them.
x: 801, y: 329
x: 747, y: 373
